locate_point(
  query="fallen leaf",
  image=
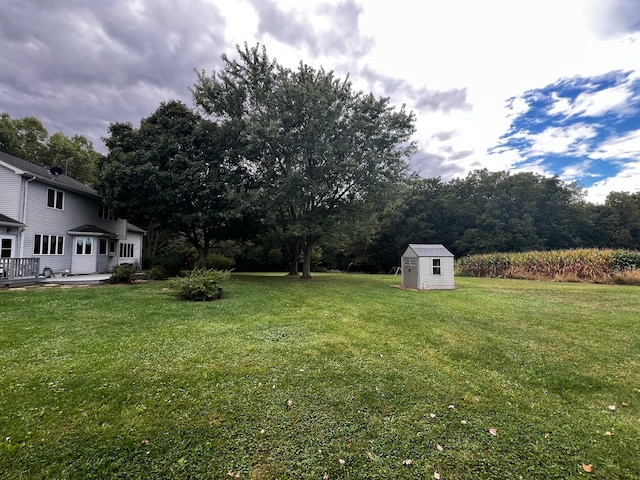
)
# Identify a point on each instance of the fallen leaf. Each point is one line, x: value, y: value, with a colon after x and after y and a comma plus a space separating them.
x: 452, y: 407
x: 341, y: 461
x: 289, y: 403
x: 587, y: 468
x: 493, y: 432
x: 262, y: 431
x: 609, y: 434
x: 144, y: 441
x: 408, y: 462
x: 463, y: 422
x: 325, y: 476
x: 439, y: 447
x: 546, y: 435
x: 370, y: 455
x: 436, y: 475
x: 432, y: 415
x: 625, y: 404
x: 612, y: 408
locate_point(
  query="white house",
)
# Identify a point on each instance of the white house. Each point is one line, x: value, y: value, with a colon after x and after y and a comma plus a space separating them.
x: 51, y: 221
x: 427, y: 267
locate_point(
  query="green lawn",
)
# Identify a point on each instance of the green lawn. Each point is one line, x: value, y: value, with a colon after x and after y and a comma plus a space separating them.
x: 342, y: 375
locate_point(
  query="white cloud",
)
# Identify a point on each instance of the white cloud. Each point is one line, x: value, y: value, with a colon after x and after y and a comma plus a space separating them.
x: 593, y: 104
x: 561, y: 140
x: 625, y: 147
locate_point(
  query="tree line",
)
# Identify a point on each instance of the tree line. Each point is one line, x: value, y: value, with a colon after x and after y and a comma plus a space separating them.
x: 280, y: 167
x: 28, y: 138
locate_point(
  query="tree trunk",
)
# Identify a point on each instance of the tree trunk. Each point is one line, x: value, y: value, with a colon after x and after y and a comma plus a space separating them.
x: 292, y: 247
x: 203, y: 253
x: 308, y: 253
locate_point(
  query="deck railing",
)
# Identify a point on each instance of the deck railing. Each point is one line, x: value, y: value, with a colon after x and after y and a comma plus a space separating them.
x: 13, y: 268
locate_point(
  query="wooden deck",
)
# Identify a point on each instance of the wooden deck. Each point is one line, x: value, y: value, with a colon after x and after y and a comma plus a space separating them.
x: 19, y: 271
x: 23, y: 272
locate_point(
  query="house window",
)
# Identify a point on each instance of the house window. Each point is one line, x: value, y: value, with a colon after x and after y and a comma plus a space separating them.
x: 102, y: 247
x: 5, y: 248
x: 411, y: 262
x: 126, y: 250
x: 112, y: 247
x: 436, y: 266
x: 55, y: 198
x: 83, y: 245
x: 105, y: 213
x: 48, y: 245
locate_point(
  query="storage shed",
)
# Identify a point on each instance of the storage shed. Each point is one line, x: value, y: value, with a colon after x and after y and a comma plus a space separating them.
x: 427, y: 267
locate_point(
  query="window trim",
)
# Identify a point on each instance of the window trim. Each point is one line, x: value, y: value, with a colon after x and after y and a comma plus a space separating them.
x: 104, y: 212
x: 103, y: 244
x: 55, y: 200
x: 436, y: 266
x: 39, y: 243
x: 85, y: 245
x: 126, y: 250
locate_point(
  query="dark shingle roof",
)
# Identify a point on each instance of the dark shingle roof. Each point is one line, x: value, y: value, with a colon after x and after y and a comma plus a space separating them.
x: 86, y: 228
x: 8, y: 221
x: 43, y: 174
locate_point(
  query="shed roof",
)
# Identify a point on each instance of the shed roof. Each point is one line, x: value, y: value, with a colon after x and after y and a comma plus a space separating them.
x: 429, y: 250
x: 23, y: 167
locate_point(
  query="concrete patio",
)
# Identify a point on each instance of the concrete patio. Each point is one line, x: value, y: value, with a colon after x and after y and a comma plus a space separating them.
x: 87, y: 279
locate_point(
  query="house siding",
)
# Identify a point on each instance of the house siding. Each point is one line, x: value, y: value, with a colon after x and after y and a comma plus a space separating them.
x: 80, y: 207
x: 10, y: 191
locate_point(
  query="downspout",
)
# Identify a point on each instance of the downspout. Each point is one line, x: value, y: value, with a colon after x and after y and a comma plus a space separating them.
x: 24, y: 213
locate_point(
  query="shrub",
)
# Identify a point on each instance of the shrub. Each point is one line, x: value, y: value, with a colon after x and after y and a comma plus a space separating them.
x: 156, y: 273
x: 123, y: 274
x: 200, y: 285
x: 220, y: 262
x: 171, y: 263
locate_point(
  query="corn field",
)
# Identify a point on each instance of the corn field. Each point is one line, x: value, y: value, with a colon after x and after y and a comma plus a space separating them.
x: 590, y: 265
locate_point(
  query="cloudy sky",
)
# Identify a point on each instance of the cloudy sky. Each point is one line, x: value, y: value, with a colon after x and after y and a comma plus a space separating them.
x: 550, y: 86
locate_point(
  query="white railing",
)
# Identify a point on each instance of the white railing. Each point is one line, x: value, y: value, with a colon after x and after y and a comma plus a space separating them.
x: 12, y: 268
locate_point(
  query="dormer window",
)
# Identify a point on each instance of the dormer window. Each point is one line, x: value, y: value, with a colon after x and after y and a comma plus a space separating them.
x: 55, y: 199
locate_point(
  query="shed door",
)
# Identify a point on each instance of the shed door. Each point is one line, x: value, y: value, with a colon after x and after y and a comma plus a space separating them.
x: 410, y: 272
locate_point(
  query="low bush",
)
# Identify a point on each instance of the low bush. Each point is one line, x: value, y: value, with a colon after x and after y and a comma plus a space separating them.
x: 220, y: 262
x: 123, y: 274
x: 200, y: 285
x: 171, y: 263
x: 156, y: 273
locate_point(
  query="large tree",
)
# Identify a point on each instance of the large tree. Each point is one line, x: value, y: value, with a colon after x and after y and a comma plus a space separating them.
x: 175, y: 171
x: 27, y: 138
x: 321, y: 153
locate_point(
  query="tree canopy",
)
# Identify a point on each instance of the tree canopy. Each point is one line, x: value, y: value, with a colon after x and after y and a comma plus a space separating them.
x: 176, y: 171
x: 27, y: 138
x: 320, y: 153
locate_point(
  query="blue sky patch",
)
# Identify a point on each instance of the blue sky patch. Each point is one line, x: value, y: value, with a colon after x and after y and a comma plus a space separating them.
x: 582, y: 129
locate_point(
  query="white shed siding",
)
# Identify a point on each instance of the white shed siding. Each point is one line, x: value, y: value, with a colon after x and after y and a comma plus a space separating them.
x: 431, y: 281
x: 422, y: 276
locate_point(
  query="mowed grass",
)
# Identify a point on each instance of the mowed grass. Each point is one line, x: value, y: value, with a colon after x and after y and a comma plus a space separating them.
x: 342, y: 376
